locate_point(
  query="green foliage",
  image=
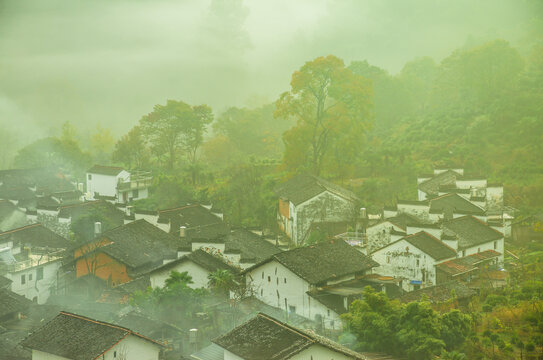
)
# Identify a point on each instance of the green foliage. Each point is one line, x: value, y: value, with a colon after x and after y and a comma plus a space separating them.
x: 415, y: 329
x: 131, y: 150
x: 175, y: 303
x: 332, y: 107
x: 175, y: 128
x: 221, y: 282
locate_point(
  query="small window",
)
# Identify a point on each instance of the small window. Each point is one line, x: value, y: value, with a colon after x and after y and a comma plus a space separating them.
x: 269, y: 278
x: 418, y: 262
x: 115, y: 354
x: 29, y: 277
x: 328, y: 312
x: 285, y: 280
x: 89, y: 177
x: 463, y: 253
x: 277, y: 281
x: 261, y: 292
x: 135, y: 193
x: 495, y: 245
x: 262, y: 274
x: 23, y: 279
x: 388, y: 259
x: 292, y: 309
x: 275, y: 271
x: 39, y: 274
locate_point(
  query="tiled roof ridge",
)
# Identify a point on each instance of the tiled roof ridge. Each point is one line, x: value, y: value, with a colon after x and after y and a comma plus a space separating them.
x: 29, y: 226
x: 179, y: 208
x: 129, y: 332
x: 433, y: 238
x: 480, y: 221
x: 108, y: 166
x: 80, y: 204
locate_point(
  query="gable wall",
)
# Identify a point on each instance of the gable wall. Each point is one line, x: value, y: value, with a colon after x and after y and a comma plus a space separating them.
x: 395, y: 261
x: 294, y: 291
x: 133, y: 347
x: 323, y: 207
x: 104, y: 267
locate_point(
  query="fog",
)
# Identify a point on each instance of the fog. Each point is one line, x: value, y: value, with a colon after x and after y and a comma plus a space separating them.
x: 108, y: 63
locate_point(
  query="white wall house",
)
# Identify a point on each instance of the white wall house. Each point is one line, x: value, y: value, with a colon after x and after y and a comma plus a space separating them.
x: 35, y: 279
x: 305, y: 199
x: 284, y: 280
x: 116, y: 184
x: 59, y: 339
x: 413, y: 259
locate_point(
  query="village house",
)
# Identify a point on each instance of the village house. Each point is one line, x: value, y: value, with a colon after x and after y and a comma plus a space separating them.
x: 61, y: 219
x: 116, y: 184
x: 75, y: 337
x: 12, y: 306
x: 472, y: 236
x: 285, y: 279
x: 30, y: 258
x: 24, y: 187
x: 413, y: 259
x: 198, y: 264
x: 240, y: 247
x: 188, y: 218
x: 124, y: 253
x: 468, y: 268
x: 11, y: 217
x: 305, y: 199
x: 264, y: 337
x: 441, y: 293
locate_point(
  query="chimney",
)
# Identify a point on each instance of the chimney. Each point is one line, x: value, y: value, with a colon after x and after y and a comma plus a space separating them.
x: 97, y: 228
x: 182, y: 230
x: 363, y: 213
x: 129, y: 210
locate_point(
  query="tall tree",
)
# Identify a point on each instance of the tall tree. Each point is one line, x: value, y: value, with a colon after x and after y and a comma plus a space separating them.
x: 331, y: 105
x: 174, y: 128
x: 131, y: 150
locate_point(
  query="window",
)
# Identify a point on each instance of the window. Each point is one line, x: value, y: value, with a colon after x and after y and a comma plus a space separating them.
x: 292, y: 309
x: 277, y: 281
x: 135, y: 193
x: 29, y: 277
x: 495, y: 245
x: 388, y: 259
x: 262, y: 274
x: 114, y: 354
x: 89, y: 177
x: 463, y: 253
x: 418, y: 262
x: 285, y: 280
x: 275, y: 271
x: 261, y: 292
x: 39, y: 274
x: 23, y: 279
x: 269, y: 278
x: 328, y: 312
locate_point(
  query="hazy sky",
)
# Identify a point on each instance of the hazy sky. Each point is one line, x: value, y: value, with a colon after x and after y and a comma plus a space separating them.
x: 109, y: 62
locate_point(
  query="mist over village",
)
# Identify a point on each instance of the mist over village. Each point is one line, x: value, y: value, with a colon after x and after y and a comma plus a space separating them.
x: 271, y: 180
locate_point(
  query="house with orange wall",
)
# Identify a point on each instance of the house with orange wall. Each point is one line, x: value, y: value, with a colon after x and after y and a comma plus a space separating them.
x: 126, y: 252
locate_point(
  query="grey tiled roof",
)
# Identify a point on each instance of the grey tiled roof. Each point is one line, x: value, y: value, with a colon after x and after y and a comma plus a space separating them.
x: 264, y: 337
x: 77, y: 337
x: 471, y: 231
x: 324, y: 261
x: 304, y: 187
